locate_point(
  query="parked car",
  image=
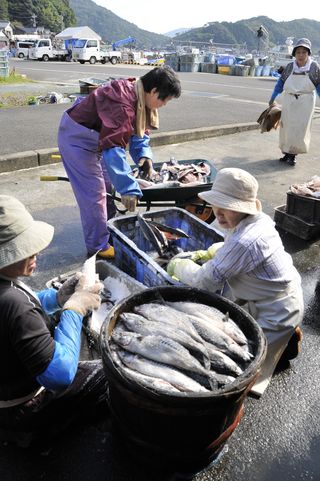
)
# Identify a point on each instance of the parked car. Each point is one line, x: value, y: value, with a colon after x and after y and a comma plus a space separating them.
x: 22, y: 48
x: 44, y: 50
x: 90, y: 50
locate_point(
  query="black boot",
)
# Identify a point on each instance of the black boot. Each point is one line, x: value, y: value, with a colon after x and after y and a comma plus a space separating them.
x: 284, y: 158
x: 291, y: 160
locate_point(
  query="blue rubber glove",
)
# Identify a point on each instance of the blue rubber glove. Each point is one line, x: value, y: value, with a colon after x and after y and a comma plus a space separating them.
x: 120, y: 172
x: 139, y: 147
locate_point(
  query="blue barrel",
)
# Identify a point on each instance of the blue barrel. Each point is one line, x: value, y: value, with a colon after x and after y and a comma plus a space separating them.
x: 266, y: 71
x: 259, y: 70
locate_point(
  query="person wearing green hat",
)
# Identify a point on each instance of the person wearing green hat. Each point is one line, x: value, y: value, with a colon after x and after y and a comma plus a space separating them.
x: 299, y: 81
x: 43, y: 386
x: 253, y: 263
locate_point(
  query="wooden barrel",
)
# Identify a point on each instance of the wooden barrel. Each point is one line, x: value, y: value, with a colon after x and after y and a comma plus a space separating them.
x: 183, y: 431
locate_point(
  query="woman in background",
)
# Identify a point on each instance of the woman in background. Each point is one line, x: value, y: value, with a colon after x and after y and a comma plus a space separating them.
x: 299, y: 81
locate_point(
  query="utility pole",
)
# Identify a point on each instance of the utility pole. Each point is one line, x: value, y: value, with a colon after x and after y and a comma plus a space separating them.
x: 262, y: 32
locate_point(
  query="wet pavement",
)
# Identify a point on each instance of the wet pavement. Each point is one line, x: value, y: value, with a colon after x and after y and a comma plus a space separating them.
x: 278, y: 437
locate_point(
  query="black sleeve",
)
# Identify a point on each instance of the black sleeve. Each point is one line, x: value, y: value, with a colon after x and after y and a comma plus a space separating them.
x: 29, y: 335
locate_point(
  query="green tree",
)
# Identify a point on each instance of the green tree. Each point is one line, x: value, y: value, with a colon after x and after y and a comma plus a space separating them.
x: 21, y: 11
x: 4, y: 12
x: 48, y: 15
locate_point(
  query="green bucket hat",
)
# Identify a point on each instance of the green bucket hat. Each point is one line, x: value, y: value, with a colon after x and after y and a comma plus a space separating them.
x: 20, y: 235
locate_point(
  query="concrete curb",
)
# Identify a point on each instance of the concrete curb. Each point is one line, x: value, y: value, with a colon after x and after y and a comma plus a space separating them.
x: 189, y: 135
x: 37, y: 158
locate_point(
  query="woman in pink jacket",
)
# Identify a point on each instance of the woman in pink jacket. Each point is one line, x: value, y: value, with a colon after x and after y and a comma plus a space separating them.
x: 93, y: 136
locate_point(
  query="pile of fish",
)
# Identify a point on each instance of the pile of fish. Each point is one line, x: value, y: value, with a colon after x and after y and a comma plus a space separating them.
x: 179, y: 347
x: 161, y: 238
x: 174, y: 174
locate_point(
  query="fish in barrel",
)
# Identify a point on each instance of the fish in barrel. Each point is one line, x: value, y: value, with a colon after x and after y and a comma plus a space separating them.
x: 179, y: 348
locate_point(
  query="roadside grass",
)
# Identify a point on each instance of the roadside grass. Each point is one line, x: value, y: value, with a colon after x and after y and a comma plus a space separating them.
x: 11, y: 99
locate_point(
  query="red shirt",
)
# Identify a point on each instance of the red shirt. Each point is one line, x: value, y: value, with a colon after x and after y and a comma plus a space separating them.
x: 111, y: 111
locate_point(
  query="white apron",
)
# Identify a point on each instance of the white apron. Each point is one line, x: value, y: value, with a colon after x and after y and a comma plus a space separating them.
x: 297, y: 110
x: 277, y: 315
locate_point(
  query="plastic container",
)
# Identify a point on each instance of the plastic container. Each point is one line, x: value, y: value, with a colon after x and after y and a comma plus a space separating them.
x: 4, y: 63
x: 184, y: 431
x: 306, y: 208
x: 224, y: 69
x: 4, y: 71
x: 104, y: 269
x: 209, y: 67
x: 241, y: 70
x: 132, y: 248
x: 295, y: 225
x: 258, y: 71
x: 266, y: 71
x: 189, y: 66
x: 225, y: 59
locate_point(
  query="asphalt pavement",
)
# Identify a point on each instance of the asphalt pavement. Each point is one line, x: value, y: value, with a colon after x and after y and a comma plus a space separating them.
x: 278, y: 437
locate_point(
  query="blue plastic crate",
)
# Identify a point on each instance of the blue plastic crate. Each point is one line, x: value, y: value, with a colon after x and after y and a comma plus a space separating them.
x: 133, y: 252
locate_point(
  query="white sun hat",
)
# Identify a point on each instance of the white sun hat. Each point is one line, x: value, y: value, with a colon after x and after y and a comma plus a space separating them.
x: 234, y: 189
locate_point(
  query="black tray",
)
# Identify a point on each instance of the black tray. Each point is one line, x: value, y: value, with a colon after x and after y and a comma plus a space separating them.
x: 178, y: 194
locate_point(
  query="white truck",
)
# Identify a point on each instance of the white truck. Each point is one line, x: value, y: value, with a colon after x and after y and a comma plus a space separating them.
x: 90, y: 50
x: 44, y: 50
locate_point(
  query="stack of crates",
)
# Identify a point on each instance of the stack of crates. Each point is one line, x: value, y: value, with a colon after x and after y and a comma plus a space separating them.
x: 4, y: 63
x: 299, y: 216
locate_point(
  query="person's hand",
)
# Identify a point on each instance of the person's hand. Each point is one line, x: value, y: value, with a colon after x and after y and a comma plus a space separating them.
x: 130, y: 202
x: 182, y: 269
x: 67, y: 288
x: 147, y: 168
x: 84, y: 299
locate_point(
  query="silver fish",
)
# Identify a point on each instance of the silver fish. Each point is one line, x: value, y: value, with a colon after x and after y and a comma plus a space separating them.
x: 149, y: 234
x: 212, y: 334
x: 222, y: 363
x: 209, y: 313
x: 167, y: 315
x: 160, y: 349
x: 161, y: 371
x: 150, y: 382
x: 139, y: 324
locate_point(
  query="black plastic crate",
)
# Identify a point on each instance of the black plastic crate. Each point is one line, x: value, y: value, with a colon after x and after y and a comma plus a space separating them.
x: 295, y: 225
x: 306, y: 208
x: 132, y: 249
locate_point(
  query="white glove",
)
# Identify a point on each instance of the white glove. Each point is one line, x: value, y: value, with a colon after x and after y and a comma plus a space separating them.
x: 130, y: 202
x: 190, y: 273
x: 84, y: 299
x: 202, y: 254
x: 183, y: 269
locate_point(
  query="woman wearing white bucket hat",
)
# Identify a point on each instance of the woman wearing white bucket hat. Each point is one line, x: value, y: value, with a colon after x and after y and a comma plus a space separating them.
x: 42, y: 385
x: 299, y: 81
x: 253, y: 262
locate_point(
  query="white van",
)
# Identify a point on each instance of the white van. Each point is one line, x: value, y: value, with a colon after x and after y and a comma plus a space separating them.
x: 23, y: 48
x: 90, y: 50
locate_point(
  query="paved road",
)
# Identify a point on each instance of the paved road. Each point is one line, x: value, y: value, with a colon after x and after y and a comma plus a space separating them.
x: 207, y: 100
x: 279, y: 436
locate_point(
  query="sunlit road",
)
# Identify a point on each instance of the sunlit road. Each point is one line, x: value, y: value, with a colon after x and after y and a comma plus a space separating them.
x: 207, y: 100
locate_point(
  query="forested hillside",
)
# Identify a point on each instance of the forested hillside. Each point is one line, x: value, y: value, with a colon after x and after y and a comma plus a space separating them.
x: 245, y: 31
x: 111, y: 27
x: 51, y: 14
x: 59, y: 14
